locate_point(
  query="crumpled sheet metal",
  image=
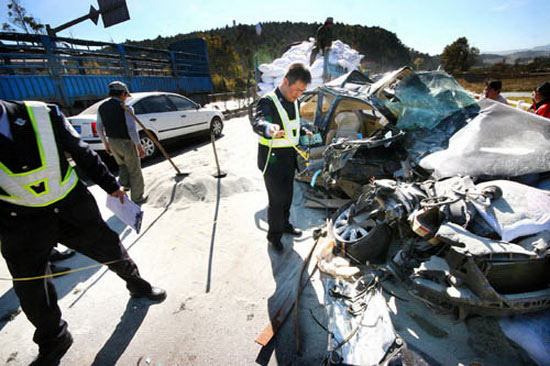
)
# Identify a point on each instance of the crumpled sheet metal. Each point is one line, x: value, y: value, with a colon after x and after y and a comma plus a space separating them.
x: 466, y: 242
x: 521, y: 211
x: 539, y: 243
x: 499, y: 141
x: 376, y: 333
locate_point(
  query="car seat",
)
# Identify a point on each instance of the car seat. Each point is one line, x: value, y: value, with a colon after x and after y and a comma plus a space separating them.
x: 348, y: 124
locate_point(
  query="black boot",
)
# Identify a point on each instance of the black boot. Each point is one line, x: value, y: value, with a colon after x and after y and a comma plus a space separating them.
x: 52, y: 354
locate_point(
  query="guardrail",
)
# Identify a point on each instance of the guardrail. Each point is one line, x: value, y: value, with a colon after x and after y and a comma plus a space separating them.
x: 233, y: 104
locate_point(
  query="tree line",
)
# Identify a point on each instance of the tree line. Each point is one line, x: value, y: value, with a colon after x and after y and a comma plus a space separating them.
x: 236, y: 51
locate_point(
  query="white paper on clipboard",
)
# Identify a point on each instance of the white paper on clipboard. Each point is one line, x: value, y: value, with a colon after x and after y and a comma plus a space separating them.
x: 130, y: 213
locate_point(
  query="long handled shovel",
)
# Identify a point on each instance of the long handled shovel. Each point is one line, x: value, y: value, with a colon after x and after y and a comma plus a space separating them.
x: 219, y: 173
x: 154, y: 139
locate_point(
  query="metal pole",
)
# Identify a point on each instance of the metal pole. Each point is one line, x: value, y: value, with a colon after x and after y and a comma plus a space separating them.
x: 219, y: 173
x: 152, y: 137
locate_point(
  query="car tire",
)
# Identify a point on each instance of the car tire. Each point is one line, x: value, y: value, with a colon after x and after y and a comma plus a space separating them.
x: 148, y: 145
x: 216, y: 127
x: 358, y: 243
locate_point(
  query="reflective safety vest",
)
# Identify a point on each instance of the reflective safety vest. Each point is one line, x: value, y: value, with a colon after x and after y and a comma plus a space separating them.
x: 291, y: 127
x: 44, y: 185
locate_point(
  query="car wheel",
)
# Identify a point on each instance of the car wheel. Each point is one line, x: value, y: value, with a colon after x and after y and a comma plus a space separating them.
x: 216, y: 127
x: 359, y: 236
x: 148, y: 145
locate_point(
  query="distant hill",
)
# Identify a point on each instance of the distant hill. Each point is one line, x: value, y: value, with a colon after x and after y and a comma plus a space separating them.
x: 382, y: 49
x: 515, y: 56
x: 509, y: 52
x: 542, y: 48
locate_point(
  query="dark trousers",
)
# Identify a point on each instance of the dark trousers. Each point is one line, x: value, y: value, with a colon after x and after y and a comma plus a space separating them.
x: 27, y: 241
x: 279, y: 182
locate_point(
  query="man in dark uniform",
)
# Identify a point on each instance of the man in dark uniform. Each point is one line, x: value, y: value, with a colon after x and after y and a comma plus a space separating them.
x: 277, y: 121
x: 43, y: 202
x: 323, y: 40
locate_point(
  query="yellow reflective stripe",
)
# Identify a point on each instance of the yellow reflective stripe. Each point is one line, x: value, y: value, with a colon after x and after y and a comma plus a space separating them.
x: 276, y: 142
x: 9, y: 172
x: 49, y: 202
x: 33, y: 192
x: 44, y: 135
x: 285, y: 140
x: 43, y: 163
x: 67, y: 174
x: 9, y: 196
x: 282, y: 113
x: 70, y: 170
x: 294, y: 124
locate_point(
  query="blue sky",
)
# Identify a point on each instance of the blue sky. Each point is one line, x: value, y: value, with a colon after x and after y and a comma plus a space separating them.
x: 425, y: 25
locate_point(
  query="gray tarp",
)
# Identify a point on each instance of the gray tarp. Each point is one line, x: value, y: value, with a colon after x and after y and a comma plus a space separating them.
x: 499, y: 141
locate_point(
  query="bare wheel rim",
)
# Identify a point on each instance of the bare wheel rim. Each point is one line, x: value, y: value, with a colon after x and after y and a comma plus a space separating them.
x: 148, y: 145
x: 216, y: 127
x: 346, y: 231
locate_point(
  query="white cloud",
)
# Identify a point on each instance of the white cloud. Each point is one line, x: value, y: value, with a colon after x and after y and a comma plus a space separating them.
x: 508, y: 5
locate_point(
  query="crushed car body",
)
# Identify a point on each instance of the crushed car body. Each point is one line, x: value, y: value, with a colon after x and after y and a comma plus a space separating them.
x: 444, y: 193
x: 428, y: 172
x: 381, y: 129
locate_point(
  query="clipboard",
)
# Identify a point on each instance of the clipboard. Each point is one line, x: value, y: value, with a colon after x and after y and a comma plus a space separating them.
x: 128, y: 212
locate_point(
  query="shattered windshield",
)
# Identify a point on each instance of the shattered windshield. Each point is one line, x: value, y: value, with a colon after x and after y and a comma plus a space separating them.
x: 422, y: 100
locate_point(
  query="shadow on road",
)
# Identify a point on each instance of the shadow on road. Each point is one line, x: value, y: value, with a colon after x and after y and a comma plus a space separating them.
x: 131, y: 320
x: 286, y: 267
x: 173, y: 148
x: 213, y: 237
x: 9, y: 303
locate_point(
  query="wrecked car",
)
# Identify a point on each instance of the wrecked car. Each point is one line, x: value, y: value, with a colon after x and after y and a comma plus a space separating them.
x: 430, y: 169
x: 380, y: 129
x: 427, y: 172
x: 482, y: 248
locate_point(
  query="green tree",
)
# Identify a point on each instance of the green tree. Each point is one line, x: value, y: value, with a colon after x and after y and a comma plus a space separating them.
x: 227, y: 72
x: 459, y: 56
x: 18, y: 18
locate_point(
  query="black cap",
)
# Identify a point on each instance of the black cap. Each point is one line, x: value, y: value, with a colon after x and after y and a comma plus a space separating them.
x: 329, y: 20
